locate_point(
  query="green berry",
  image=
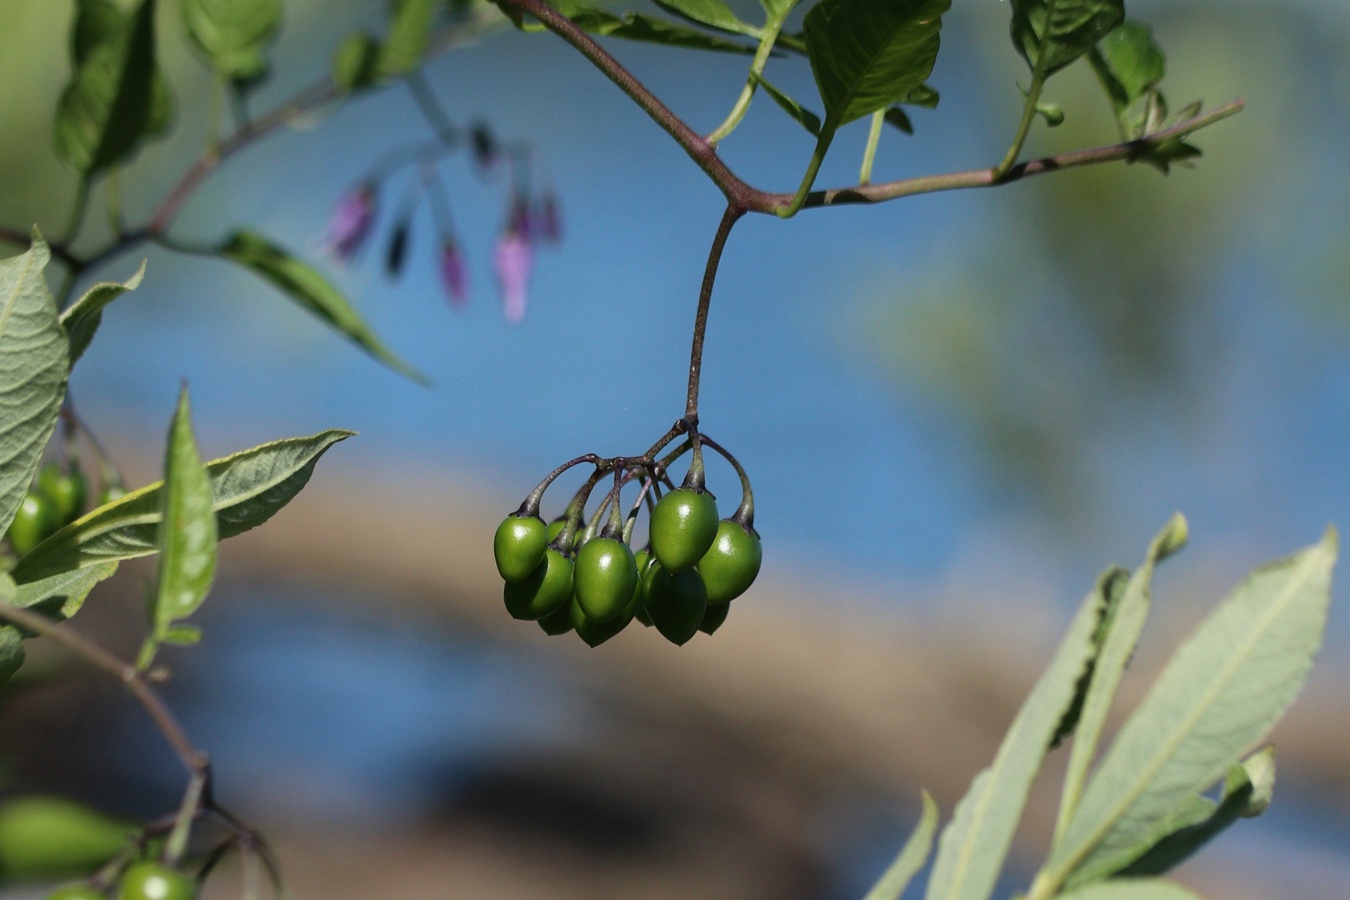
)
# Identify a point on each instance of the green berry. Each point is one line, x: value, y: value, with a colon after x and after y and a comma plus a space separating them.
x: 644, y: 561
x: 605, y: 577
x: 596, y: 633
x: 559, y: 621
x: 519, y: 545
x: 151, y: 881
x: 66, y: 491
x: 683, y: 526
x: 731, y: 563
x: 675, y: 601
x: 546, y: 589
x: 714, y: 617
x: 33, y: 522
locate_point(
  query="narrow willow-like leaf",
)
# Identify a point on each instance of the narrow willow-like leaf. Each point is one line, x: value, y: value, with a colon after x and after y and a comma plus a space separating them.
x: 112, y: 101
x: 63, y: 595
x: 232, y: 35
x: 303, y: 283
x: 82, y: 318
x: 1131, y: 889
x: 712, y: 13
x: 1219, y: 693
x: 406, y: 43
x: 187, y: 525
x: 975, y: 842
x: 912, y: 856
x: 800, y: 114
x: 49, y: 838
x: 1075, y: 27
x: 249, y: 487
x: 354, y: 62
x: 1177, y: 837
x: 1111, y: 588
x: 869, y: 54
x: 648, y: 29
x: 1117, y: 638
x: 34, y: 363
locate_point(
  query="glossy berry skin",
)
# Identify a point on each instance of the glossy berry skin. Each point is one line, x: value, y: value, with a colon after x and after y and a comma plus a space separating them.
x: 66, y: 491
x: 75, y: 892
x: 33, y: 522
x: 547, y: 588
x: 714, y: 617
x: 683, y: 526
x: 675, y: 601
x: 731, y: 563
x: 559, y: 621
x: 604, y: 578
x: 595, y: 633
x: 519, y: 545
x: 151, y: 881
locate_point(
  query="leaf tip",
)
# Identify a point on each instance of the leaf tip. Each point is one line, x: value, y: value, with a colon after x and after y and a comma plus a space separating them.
x: 1172, y: 538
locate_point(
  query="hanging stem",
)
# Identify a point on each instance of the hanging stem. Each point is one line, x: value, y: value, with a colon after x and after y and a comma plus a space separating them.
x: 729, y: 218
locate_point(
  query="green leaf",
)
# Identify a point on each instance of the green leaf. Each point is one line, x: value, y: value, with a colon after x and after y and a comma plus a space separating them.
x: 355, y: 61
x: 249, y: 487
x: 34, y: 363
x: 912, y: 856
x: 898, y: 118
x: 800, y: 114
x: 1117, y: 637
x: 1246, y: 792
x: 62, y: 596
x: 406, y: 43
x: 869, y: 54
x: 82, y: 318
x: 47, y: 838
x: 112, y: 101
x: 187, y: 527
x: 1128, y: 62
x: 646, y: 29
x: 777, y: 8
x: 1109, y: 590
x: 712, y: 13
x: 1219, y: 693
x: 1075, y: 28
x: 232, y: 35
x: 923, y: 96
x: 1131, y: 889
x: 305, y: 285
x: 975, y: 843
x: 11, y: 653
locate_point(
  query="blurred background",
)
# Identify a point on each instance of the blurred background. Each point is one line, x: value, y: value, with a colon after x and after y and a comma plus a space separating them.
x: 955, y: 410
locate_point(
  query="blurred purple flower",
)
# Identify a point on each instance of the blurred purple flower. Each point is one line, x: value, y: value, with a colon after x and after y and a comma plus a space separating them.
x: 453, y: 276
x: 350, y: 224
x: 519, y: 220
x: 513, y: 258
x: 548, y: 220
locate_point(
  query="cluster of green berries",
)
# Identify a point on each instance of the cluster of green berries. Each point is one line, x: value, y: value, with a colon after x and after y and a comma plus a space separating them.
x: 141, y: 881
x: 59, y: 495
x: 586, y: 578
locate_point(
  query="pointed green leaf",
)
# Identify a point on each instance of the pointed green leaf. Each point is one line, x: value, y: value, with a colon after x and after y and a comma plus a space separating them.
x: 912, y: 856
x: 1132, y: 889
x: 1128, y: 62
x: 1117, y: 639
x: 82, y: 318
x: 712, y: 13
x: 899, y: 119
x: 61, y: 596
x: 232, y: 35
x: 1110, y: 589
x: 1219, y: 693
x: 187, y: 526
x: 647, y: 29
x: 1075, y: 28
x: 48, y: 838
x: 354, y: 62
x: 112, y: 101
x: 406, y: 43
x: 182, y: 635
x: 800, y: 114
x: 249, y: 487
x: 869, y: 54
x: 305, y: 285
x: 33, y: 369
x: 975, y: 843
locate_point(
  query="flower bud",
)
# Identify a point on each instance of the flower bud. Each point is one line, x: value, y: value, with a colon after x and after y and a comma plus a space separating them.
x: 350, y: 223
x: 513, y: 258
x: 453, y: 276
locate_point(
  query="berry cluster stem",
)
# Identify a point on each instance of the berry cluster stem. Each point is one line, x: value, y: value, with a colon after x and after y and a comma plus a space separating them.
x: 732, y: 215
